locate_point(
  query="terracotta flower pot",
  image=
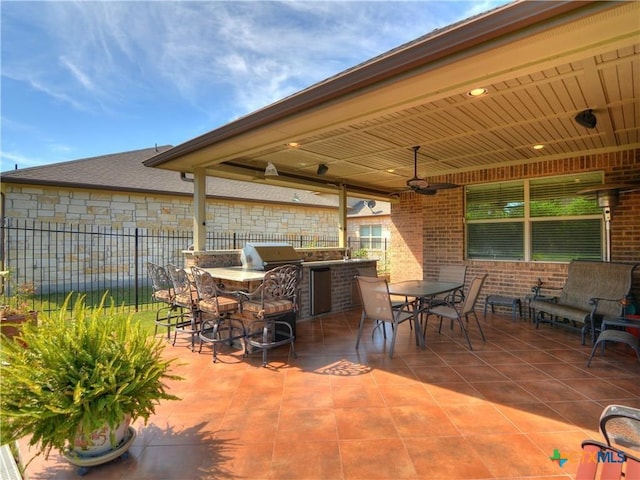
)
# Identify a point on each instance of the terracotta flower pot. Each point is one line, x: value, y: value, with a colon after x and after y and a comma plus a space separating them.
x: 10, y: 324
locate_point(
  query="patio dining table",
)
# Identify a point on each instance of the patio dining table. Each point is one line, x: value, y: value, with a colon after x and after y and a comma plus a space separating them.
x: 423, y: 291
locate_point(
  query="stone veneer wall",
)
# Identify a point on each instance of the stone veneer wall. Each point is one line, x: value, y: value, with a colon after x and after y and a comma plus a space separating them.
x: 429, y: 230
x: 130, y: 210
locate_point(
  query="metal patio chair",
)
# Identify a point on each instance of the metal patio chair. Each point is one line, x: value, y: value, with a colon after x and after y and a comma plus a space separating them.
x: 377, y: 306
x: 456, y: 312
x: 452, y: 274
x: 275, y: 298
x: 185, y: 297
x: 169, y: 315
x: 619, y: 457
x: 215, y: 307
x: 620, y: 426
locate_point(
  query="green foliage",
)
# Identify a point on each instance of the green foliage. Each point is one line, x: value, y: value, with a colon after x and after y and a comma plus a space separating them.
x: 79, y: 369
x: 14, y: 299
x: 360, y: 253
x: 564, y: 207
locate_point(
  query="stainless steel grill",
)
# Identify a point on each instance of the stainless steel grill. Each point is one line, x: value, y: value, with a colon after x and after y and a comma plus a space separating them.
x: 268, y: 255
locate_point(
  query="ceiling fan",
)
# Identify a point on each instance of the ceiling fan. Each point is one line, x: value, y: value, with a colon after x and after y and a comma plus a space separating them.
x: 420, y: 185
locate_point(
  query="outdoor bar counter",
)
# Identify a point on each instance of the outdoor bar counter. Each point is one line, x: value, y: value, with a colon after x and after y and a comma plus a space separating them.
x: 327, y: 286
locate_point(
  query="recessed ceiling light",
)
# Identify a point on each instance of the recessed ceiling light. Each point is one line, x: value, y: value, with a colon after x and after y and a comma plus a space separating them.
x: 477, y: 92
x: 538, y: 147
x: 293, y: 144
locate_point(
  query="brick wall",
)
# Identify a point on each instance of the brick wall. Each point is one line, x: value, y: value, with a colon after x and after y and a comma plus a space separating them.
x: 407, y: 233
x: 429, y: 230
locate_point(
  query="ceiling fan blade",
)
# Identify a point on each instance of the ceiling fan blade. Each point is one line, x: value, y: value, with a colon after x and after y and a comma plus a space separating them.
x: 426, y: 191
x: 442, y: 186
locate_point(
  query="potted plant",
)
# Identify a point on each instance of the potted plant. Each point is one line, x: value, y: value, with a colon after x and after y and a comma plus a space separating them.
x: 15, y: 308
x: 84, y: 373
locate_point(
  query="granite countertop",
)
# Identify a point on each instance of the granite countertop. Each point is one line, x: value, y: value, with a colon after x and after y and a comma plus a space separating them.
x: 240, y: 274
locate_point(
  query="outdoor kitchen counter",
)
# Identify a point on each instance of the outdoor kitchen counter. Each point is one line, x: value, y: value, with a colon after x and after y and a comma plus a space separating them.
x: 236, y: 274
x: 342, y: 274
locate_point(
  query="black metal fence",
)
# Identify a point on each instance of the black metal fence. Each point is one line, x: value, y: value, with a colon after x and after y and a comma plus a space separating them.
x: 59, y: 258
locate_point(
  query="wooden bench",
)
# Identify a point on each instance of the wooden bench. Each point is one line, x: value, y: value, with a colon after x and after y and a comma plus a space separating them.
x: 592, y: 290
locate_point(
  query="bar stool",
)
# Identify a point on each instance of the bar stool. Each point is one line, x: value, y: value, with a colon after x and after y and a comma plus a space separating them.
x: 276, y: 297
x: 214, y: 307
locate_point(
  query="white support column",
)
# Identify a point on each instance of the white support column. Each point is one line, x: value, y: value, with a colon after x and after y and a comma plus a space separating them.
x: 199, y: 209
x: 342, y: 216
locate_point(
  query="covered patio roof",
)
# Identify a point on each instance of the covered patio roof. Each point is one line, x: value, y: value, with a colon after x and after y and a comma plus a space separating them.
x: 541, y: 63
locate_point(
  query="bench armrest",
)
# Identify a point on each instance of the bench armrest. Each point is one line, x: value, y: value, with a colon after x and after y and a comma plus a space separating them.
x: 538, y: 290
x: 595, y: 301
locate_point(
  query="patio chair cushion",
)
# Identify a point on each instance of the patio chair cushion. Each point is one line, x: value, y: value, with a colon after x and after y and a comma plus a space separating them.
x: 271, y: 307
x: 184, y: 299
x: 225, y: 304
x: 163, y: 296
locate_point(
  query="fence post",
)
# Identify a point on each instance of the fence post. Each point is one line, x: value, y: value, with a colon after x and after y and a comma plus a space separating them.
x: 136, y: 259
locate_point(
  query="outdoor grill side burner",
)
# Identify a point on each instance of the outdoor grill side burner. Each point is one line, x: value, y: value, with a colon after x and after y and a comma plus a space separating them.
x: 268, y: 255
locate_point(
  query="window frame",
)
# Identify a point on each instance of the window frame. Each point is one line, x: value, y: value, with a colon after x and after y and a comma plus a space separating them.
x: 370, y: 239
x: 527, y: 220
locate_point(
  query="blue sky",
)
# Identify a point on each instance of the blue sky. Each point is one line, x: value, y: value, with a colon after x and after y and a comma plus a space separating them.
x: 82, y: 79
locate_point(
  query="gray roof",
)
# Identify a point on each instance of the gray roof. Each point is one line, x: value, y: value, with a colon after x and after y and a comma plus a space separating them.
x: 126, y: 172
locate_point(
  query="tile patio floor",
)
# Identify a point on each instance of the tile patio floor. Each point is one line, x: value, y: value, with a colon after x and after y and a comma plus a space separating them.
x: 497, y: 412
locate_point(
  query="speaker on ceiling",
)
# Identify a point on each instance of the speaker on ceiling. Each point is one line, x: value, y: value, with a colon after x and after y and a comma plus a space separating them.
x: 586, y: 118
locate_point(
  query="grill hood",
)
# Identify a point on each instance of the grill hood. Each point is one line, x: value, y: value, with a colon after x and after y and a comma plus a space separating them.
x: 268, y: 255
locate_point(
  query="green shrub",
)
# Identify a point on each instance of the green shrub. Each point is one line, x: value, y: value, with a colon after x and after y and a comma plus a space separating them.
x: 79, y: 369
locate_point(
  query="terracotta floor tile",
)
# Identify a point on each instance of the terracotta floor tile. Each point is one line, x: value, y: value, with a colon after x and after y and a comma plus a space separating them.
x: 421, y: 421
x: 568, y: 445
x: 376, y: 459
x: 521, y: 371
x: 581, y: 413
x: 508, y: 393
x: 512, y: 455
x: 245, y: 461
x: 308, y: 396
x: 310, y: 460
x: 415, y: 394
x: 358, y: 423
x: 305, y: 424
x: 535, y: 356
x: 395, y: 376
x: 437, y: 374
x: 249, y: 426
x: 535, y: 417
x: 597, y: 389
x: 481, y: 419
x: 460, y: 358
x: 455, y: 393
x: 446, y: 458
x: 562, y: 370
x: 551, y: 390
x: 479, y: 373
x: 333, y: 412
x: 360, y: 396
x: 495, y: 358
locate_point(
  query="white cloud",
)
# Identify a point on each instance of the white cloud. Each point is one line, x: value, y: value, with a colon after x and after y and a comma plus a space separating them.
x: 255, y: 51
x: 230, y: 56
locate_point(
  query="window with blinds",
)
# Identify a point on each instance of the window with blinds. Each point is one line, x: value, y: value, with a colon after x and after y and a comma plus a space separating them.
x: 542, y: 219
